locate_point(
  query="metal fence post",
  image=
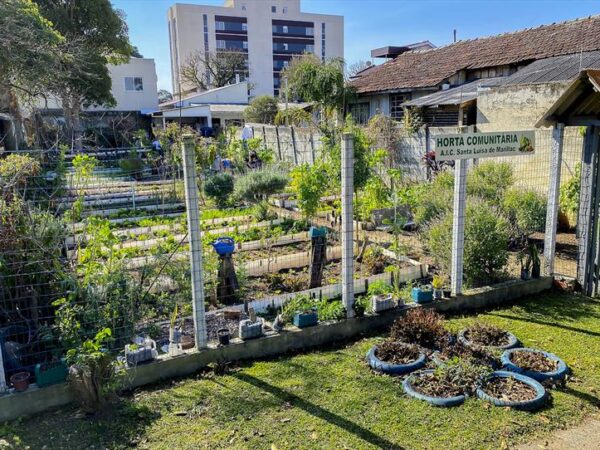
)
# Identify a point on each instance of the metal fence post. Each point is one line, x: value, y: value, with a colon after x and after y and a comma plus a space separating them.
x: 347, y: 223
x: 458, y: 222
x: 556, y: 151
x: 195, y: 239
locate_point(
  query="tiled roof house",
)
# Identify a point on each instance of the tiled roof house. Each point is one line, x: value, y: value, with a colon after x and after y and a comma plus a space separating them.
x: 466, y: 66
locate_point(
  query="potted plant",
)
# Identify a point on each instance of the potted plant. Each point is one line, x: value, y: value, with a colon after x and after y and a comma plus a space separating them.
x: 53, y: 372
x: 536, y: 264
x: 223, y: 334
x: 142, y: 351
x: 360, y: 306
x: 422, y: 294
x: 525, y: 261
x: 175, y: 334
x: 306, y: 318
x: 251, y: 329
x: 438, y: 285
x: 381, y: 295
x: 20, y: 381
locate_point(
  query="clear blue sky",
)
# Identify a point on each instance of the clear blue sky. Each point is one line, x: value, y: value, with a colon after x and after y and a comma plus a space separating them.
x: 374, y: 23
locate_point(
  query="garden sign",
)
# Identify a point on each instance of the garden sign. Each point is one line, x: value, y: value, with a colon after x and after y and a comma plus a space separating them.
x: 450, y: 147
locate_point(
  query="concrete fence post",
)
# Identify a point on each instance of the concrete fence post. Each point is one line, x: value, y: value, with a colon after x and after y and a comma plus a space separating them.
x: 195, y: 239
x: 347, y: 223
x: 556, y: 151
x: 3, y: 386
x: 293, y: 135
x: 458, y: 225
x: 278, y: 143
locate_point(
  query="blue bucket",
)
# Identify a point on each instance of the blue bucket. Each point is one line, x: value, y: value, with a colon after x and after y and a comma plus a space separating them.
x: 224, y: 246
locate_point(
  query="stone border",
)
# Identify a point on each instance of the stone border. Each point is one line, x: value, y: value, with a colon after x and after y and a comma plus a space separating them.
x: 37, y: 400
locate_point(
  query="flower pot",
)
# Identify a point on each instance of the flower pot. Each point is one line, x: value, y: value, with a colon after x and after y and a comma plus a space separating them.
x: 175, y: 342
x: 447, y: 292
x: 314, y: 232
x: 438, y: 294
x: 382, y: 302
x: 306, y: 318
x: 223, y: 334
x: 250, y: 329
x: 422, y: 295
x: 187, y: 342
x: 51, y: 373
x: 141, y: 353
x: 20, y: 381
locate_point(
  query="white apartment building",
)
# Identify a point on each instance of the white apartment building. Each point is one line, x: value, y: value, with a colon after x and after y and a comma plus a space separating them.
x: 269, y: 32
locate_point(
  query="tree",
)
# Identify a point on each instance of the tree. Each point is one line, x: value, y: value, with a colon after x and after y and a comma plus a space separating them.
x: 213, y: 70
x: 313, y: 80
x: 357, y: 67
x: 164, y: 96
x: 95, y: 35
x: 262, y: 109
x: 28, y: 52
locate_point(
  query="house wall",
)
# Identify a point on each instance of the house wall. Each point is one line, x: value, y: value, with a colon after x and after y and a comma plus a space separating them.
x: 519, y: 108
x: 186, y: 31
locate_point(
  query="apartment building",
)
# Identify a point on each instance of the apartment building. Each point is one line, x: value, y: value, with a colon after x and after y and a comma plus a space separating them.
x: 269, y: 32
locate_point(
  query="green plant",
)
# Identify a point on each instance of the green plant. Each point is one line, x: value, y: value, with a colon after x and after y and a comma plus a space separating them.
x: 431, y: 200
x: 458, y: 375
x: 411, y: 121
x: 219, y: 187
x: 262, y: 109
x: 94, y: 370
x: 374, y: 260
x: 327, y: 309
x: 569, y: 196
x: 526, y: 212
x: 490, y: 181
x: 423, y: 327
x: 486, y: 242
x: 259, y: 184
x: 308, y: 183
x: 487, y: 335
x: 262, y: 211
x: 361, y: 305
x: 379, y: 287
x: 438, y: 281
x: 133, y: 165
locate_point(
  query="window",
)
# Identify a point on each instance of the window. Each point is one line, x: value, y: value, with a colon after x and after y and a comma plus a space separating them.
x: 220, y: 26
x: 244, y: 27
x: 323, y: 41
x: 134, y: 84
x: 284, y: 10
x: 273, y: 9
x: 221, y: 44
x: 245, y: 45
x: 285, y: 29
x: 360, y: 112
x: 396, y: 109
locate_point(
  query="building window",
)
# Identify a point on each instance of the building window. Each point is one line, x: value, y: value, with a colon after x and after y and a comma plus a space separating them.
x: 220, y: 25
x: 285, y: 29
x: 245, y: 45
x: 220, y: 44
x: 134, y: 84
x: 273, y: 9
x: 284, y: 11
x: 244, y: 27
x: 360, y: 112
x: 396, y: 101
x: 323, y: 41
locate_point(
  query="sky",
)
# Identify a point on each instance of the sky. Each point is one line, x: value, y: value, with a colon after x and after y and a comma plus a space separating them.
x: 369, y: 24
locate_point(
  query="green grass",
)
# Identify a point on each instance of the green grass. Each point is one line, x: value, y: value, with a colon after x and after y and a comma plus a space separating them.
x: 330, y: 399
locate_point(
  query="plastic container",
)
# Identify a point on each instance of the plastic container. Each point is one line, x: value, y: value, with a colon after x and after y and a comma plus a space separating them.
x: 383, y: 302
x: 314, y: 232
x: 420, y: 295
x: 224, y: 335
x: 51, y: 373
x: 306, y: 319
x: 224, y: 246
x: 251, y: 330
x: 140, y: 353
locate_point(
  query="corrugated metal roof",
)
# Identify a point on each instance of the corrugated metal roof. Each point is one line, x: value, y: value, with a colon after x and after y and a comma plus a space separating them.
x: 456, y: 95
x: 555, y: 69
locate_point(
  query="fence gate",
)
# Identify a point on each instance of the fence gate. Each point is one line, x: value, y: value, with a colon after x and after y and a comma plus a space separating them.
x: 588, y: 226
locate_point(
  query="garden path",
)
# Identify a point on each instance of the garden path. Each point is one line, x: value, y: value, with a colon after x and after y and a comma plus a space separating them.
x: 585, y: 436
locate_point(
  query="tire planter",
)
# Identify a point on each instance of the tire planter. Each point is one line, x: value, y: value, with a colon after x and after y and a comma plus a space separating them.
x: 394, y: 369
x: 444, y: 402
x: 559, y: 374
x: 525, y: 405
x: 513, y: 341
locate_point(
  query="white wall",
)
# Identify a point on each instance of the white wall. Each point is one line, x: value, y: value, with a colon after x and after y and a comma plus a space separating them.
x: 189, y: 34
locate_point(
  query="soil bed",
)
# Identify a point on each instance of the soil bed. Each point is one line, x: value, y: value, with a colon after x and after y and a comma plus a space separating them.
x: 433, y: 386
x: 509, y: 389
x: 486, y: 335
x: 534, y: 362
x: 394, y: 352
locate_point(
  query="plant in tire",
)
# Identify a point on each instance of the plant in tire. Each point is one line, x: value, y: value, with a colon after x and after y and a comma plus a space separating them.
x: 456, y: 377
x: 423, y: 327
x: 395, y: 352
x: 487, y: 335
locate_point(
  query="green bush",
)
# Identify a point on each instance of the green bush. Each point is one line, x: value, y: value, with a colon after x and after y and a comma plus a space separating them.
x: 262, y: 109
x: 327, y: 309
x: 219, y: 187
x: 431, y: 200
x: 308, y: 183
x: 132, y: 166
x: 490, y: 181
x: 257, y: 185
x: 525, y: 210
x: 486, y: 239
x: 569, y: 196
x: 379, y: 287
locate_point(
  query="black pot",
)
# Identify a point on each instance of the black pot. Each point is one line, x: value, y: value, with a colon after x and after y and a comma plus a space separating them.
x: 224, y: 336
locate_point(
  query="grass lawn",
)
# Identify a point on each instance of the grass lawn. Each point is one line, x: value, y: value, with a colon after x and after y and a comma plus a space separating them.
x: 330, y: 399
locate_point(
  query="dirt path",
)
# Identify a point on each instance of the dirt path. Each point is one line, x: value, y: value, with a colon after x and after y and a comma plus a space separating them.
x: 585, y: 436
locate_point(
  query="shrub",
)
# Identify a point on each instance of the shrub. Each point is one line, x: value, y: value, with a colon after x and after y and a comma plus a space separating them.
x: 526, y: 211
x: 483, y: 334
x: 326, y: 309
x: 569, y: 196
x: 257, y: 185
x: 397, y: 352
x: 262, y: 109
x: 374, y: 260
x: 15, y: 170
x: 219, y: 187
x: 490, y: 181
x: 308, y: 183
x: 486, y: 239
x: 432, y: 200
x: 132, y: 166
x: 423, y: 327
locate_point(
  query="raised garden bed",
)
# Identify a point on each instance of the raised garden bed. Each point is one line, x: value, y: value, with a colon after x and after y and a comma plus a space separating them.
x: 395, y: 358
x: 512, y: 390
x: 536, y: 364
x: 487, y: 336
